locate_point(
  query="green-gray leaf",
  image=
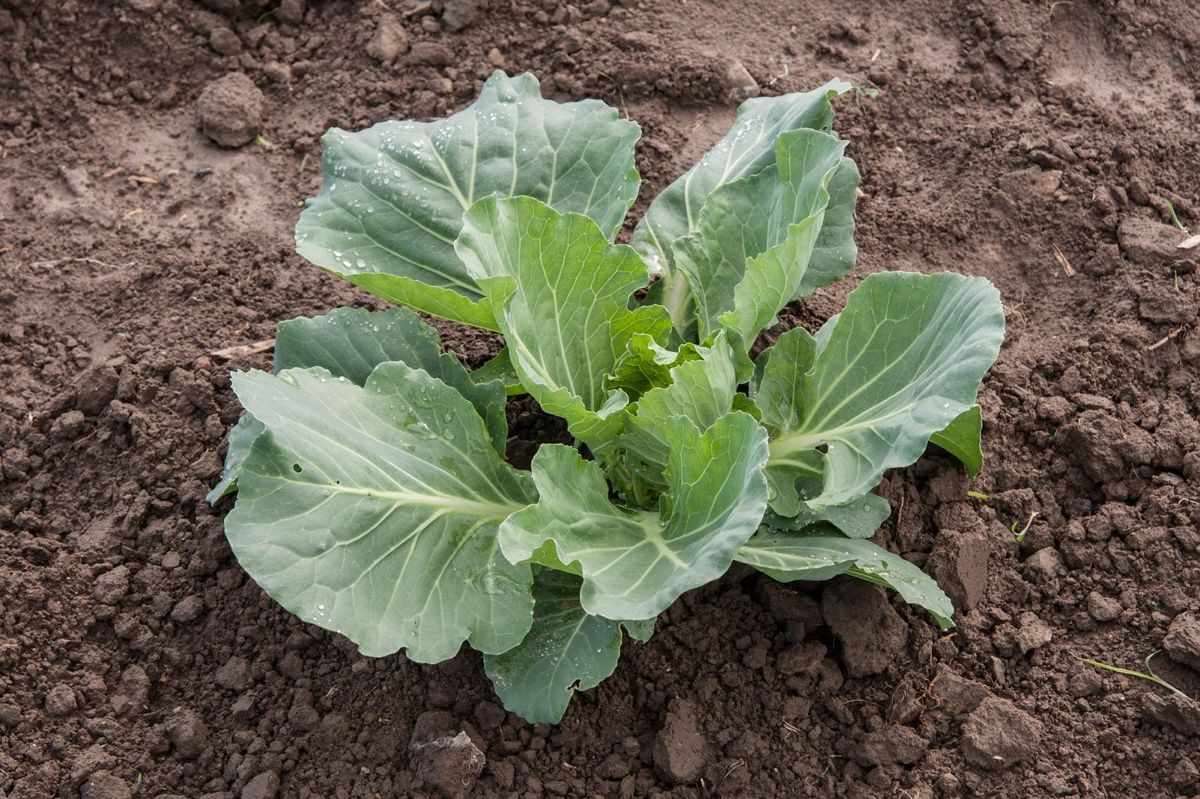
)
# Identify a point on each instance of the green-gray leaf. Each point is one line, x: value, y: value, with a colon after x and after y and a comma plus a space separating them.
x: 858, y: 518
x: 749, y: 253
x: 788, y: 556
x: 373, y: 511
x: 746, y: 149
x: 241, y: 438
x: 562, y: 293
x: 351, y: 342
x: 866, y: 394
x: 394, y: 194
x: 962, y: 439
x: 701, y: 390
x: 636, y: 563
x: 566, y: 651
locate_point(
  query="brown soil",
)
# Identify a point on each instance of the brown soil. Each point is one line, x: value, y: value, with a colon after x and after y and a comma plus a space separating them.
x: 1035, y: 143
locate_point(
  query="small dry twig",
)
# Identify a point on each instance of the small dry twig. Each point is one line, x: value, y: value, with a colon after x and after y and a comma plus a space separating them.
x: 1062, y: 259
x: 1165, y: 339
x: 242, y: 350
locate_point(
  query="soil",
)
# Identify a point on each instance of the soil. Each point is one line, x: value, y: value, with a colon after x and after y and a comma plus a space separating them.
x: 1040, y: 144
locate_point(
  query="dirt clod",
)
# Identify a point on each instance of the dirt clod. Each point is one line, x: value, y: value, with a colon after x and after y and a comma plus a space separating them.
x: 1148, y: 243
x: 1178, y: 712
x: 390, y: 39
x: 998, y: 734
x: 60, y: 700
x: 187, y: 733
x: 263, y: 786
x: 893, y: 744
x: 1182, y: 642
x: 871, y: 633
x: 230, y: 110
x: 681, y: 752
x: 450, y: 765
x: 959, y: 563
x: 104, y: 785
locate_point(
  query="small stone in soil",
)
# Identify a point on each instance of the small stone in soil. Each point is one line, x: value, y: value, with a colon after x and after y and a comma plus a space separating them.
x: 1182, y: 643
x: 681, y: 751
x: 998, y: 734
x: 872, y: 634
x: 230, y: 110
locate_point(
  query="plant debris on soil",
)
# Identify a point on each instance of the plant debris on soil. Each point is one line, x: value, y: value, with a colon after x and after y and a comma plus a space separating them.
x: 146, y: 205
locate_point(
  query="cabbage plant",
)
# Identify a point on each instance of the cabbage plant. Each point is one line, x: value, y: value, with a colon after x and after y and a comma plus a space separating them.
x: 373, y: 495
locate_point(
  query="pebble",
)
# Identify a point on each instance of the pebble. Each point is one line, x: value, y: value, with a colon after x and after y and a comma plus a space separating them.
x: 390, y: 39
x: 1182, y: 643
x: 230, y: 110
x: 871, y: 632
x: 680, y: 750
x: 998, y: 734
x: 60, y: 700
x: 737, y: 80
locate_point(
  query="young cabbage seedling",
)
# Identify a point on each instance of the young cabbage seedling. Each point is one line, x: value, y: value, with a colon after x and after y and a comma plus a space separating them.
x: 373, y: 494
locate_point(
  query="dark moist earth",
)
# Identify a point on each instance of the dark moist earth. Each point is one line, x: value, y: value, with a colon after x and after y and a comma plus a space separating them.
x: 1037, y: 144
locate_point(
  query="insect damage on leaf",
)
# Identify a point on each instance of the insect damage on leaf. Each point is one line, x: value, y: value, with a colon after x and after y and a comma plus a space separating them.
x: 372, y: 493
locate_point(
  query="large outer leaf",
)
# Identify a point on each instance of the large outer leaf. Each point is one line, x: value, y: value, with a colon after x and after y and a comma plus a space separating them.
x: 962, y: 439
x: 749, y: 254
x: 566, y: 651
x: 636, y: 563
x: 788, y: 557
x: 351, y: 342
x: 746, y: 149
x: 904, y: 358
x: 562, y: 296
x: 373, y: 512
x: 394, y: 194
